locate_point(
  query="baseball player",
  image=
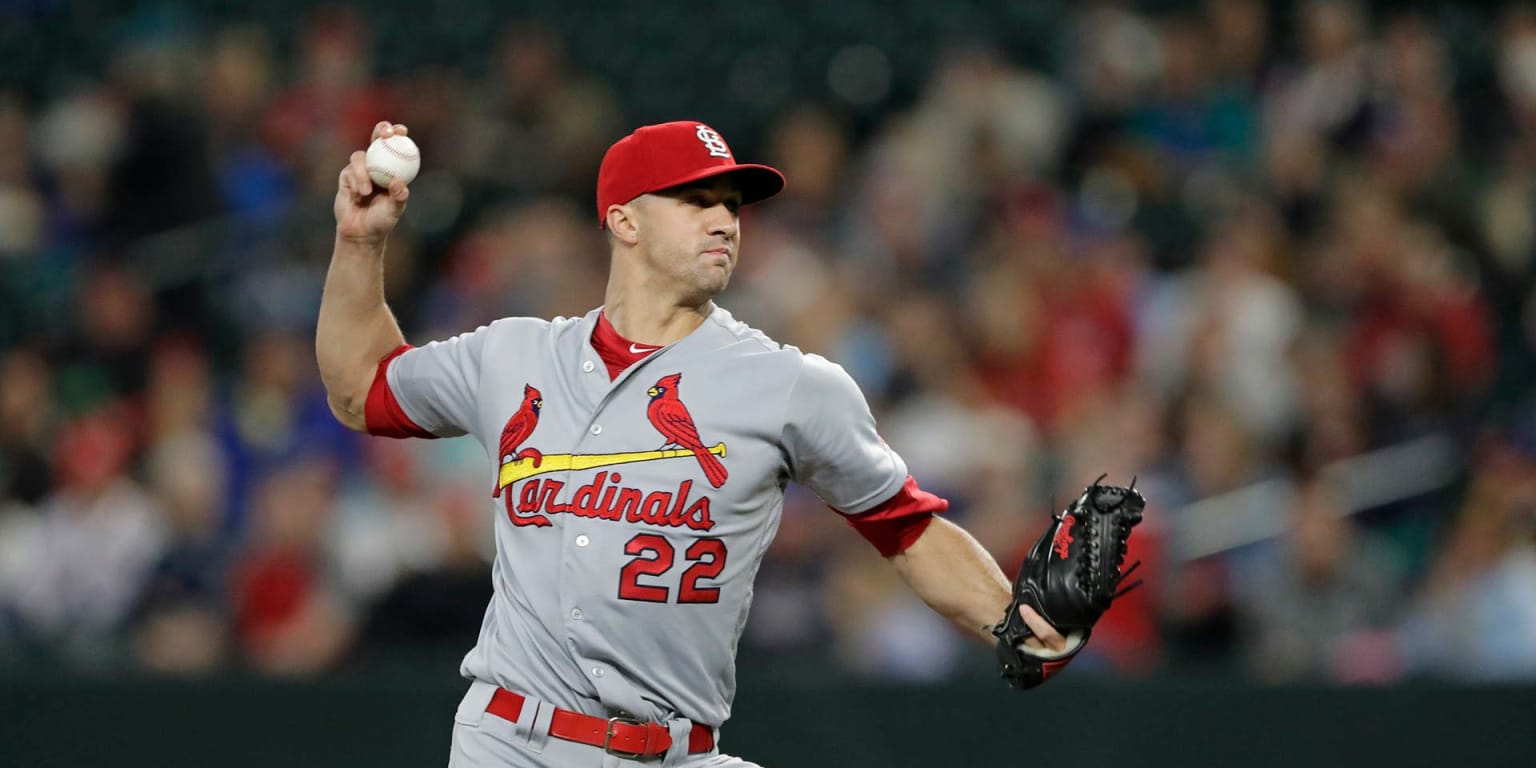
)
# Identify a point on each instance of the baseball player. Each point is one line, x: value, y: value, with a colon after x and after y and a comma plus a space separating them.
x: 640, y: 457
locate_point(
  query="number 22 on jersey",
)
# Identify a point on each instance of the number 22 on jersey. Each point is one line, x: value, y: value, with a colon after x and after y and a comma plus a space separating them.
x: 654, y: 557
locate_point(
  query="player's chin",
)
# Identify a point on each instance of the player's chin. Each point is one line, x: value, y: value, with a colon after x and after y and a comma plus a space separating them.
x: 714, y: 278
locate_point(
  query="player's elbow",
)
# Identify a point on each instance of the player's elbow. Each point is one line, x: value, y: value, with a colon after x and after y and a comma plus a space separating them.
x: 347, y: 387
x: 350, y: 410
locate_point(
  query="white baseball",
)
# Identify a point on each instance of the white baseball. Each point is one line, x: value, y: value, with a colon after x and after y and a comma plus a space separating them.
x: 392, y: 157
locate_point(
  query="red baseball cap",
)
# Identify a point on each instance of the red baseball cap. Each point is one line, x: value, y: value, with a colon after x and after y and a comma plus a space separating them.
x: 657, y: 157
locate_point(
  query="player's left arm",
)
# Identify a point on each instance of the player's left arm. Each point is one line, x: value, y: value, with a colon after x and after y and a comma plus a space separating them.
x: 958, y: 578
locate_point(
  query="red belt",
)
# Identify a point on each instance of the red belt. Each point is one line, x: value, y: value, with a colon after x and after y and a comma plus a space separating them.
x: 621, y: 736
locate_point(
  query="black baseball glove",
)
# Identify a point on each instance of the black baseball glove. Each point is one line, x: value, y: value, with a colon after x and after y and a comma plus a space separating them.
x: 1070, y: 577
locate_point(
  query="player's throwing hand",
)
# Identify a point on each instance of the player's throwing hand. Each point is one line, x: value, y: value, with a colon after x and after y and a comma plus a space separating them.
x: 364, y: 211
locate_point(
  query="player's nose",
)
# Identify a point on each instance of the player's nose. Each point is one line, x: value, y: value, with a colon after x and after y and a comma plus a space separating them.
x: 725, y: 232
x: 723, y: 222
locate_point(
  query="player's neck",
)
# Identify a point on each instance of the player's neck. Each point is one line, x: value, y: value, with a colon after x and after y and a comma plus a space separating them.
x: 648, y: 321
x: 647, y: 306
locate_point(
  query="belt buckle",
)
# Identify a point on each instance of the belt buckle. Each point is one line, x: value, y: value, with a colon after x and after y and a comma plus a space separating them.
x: 608, y: 738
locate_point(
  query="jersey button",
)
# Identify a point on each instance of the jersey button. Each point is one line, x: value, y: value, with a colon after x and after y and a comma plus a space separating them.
x: 576, y: 614
x: 597, y: 671
x: 588, y: 366
x: 597, y: 429
x: 582, y: 540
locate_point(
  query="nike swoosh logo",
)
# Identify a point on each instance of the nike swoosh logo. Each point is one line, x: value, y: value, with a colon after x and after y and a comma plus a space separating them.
x: 636, y: 349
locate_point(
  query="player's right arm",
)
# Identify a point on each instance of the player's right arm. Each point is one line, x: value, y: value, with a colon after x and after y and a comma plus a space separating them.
x: 356, y: 329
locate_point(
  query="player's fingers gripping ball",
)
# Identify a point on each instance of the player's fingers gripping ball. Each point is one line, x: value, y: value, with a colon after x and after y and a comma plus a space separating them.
x: 392, y: 157
x: 1070, y: 577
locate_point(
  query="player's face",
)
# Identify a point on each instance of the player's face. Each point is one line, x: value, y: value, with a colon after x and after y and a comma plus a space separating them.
x: 692, y: 235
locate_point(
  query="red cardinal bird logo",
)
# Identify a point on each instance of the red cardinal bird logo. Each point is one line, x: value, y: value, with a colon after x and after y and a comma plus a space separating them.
x: 671, y: 418
x: 520, y: 426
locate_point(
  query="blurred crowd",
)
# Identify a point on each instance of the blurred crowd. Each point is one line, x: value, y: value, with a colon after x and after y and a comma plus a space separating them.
x: 1274, y: 260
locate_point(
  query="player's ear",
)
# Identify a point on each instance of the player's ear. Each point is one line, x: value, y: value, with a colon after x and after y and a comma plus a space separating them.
x: 623, y: 224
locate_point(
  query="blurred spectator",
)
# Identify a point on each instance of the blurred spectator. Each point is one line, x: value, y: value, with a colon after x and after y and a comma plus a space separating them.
x: 436, y: 604
x: 1317, y: 605
x: 75, y: 568
x: 1195, y: 119
x: 332, y: 104
x: 1333, y: 422
x: 542, y: 257
x: 1326, y: 94
x: 536, y: 126
x: 810, y: 144
x: 238, y: 89
x: 275, y: 413
x: 1420, y: 344
x: 1415, y: 137
x: 1051, y: 330
x: 22, y: 223
x: 288, y: 616
x: 981, y: 128
x: 108, y: 353
x: 791, y: 618
x: 156, y: 184
x: 883, y: 631
x: 79, y: 138
x: 387, y: 525
x: 1516, y: 64
x: 1228, y: 325
x: 27, y: 420
x: 1507, y: 225
x: 180, y: 618
x: 950, y: 433
x: 1119, y: 56
x: 179, y: 400
x: 1241, y: 41
x: 1218, y: 455
x: 1476, y: 618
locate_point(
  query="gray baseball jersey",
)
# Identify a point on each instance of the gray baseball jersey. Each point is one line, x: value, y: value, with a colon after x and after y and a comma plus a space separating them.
x: 631, y: 514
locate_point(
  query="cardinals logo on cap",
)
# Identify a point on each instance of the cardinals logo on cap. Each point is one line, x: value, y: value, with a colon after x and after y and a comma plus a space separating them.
x: 713, y: 142
x: 657, y: 157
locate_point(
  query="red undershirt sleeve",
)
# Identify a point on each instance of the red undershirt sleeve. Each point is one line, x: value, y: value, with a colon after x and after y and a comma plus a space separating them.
x: 894, y: 524
x: 382, y: 413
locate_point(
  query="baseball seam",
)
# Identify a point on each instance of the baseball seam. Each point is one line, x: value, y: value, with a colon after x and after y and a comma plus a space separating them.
x: 397, y: 153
